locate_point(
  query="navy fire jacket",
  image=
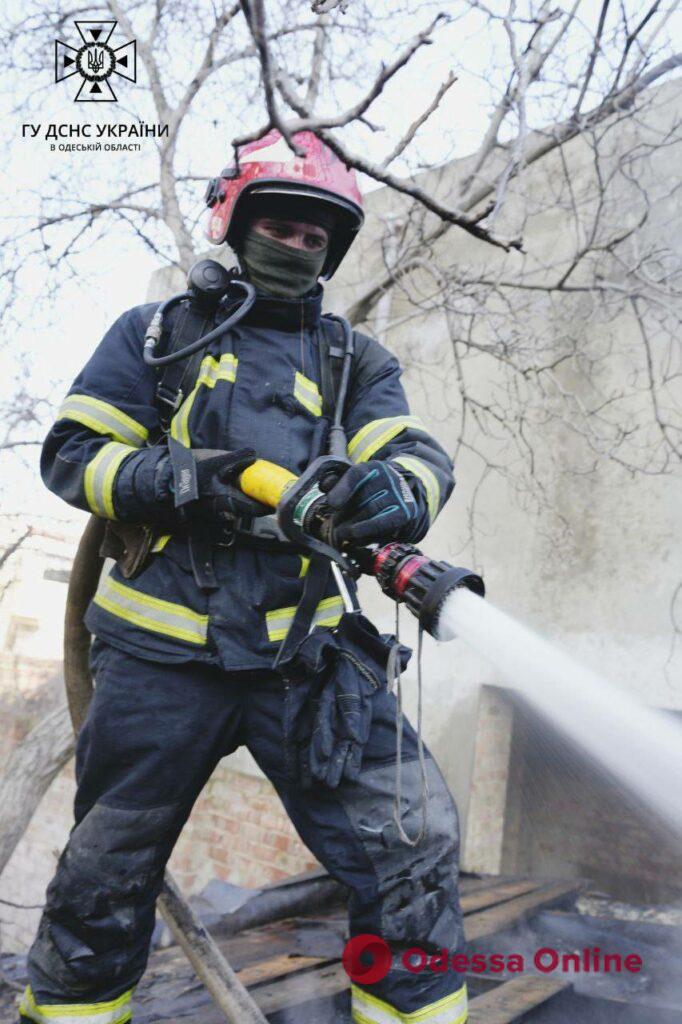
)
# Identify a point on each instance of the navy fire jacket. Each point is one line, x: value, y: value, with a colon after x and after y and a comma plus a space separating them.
x: 259, y: 387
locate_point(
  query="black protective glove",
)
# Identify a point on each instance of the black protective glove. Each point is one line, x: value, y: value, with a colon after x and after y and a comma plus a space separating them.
x: 329, y: 699
x: 169, y: 487
x: 218, y: 497
x: 342, y: 720
x: 371, y: 503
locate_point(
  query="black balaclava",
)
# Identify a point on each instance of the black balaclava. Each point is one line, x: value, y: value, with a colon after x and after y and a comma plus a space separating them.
x: 274, y: 267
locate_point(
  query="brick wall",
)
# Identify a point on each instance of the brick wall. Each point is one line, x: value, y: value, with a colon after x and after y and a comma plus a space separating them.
x: 238, y: 832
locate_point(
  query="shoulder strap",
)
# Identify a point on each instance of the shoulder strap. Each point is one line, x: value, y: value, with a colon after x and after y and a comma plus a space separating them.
x: 331, y: 363
x: 177, y: 379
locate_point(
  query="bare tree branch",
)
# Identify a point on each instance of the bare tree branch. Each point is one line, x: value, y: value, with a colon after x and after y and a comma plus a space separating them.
x: 538, y: 147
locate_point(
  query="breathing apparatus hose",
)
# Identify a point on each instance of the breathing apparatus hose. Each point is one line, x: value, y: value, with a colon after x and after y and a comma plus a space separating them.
x: 155, y: 329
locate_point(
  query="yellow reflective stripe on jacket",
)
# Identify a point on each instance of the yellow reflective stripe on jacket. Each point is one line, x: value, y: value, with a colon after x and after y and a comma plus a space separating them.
x: 160, y: 543
x: 375, y: 434
x: 100, y: 474
x: 368, y: 1009
x: 211, y: 371
x: 151, y: 613
x: 308, y: 394
x: 327, y: 613
x: 423, y: 472
x: 103, y: 418
x: 115, y: 1011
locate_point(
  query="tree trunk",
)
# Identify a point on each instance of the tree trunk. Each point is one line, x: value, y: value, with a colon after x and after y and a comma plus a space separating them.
x: 30, y: 769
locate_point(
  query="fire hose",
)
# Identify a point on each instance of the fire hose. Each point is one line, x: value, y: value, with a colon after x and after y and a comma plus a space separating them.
x: 403, y: 572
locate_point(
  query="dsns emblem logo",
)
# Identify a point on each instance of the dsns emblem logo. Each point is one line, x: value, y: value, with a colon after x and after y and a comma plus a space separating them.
x: 95, y: 61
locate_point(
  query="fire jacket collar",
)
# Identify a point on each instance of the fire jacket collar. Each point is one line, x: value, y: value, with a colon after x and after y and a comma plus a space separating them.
x: 286, y: 314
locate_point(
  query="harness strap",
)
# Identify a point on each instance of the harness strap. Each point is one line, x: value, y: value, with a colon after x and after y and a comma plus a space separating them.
x: 313, y: 591
x: 176, y: 379
x: 331, y: 364
x: 316, y: 579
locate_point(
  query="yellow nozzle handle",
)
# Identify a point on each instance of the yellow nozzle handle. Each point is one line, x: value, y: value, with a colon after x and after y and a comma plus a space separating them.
x: 266, y: 482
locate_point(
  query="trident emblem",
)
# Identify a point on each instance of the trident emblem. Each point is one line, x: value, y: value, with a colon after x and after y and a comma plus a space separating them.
x: 95, y: 61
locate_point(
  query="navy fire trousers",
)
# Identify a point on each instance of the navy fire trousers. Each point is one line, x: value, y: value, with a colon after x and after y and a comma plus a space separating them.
x: 153, y: 736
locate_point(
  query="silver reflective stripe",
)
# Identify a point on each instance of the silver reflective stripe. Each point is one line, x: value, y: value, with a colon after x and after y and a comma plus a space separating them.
x: 151, y: 613
x: 308, y: 394
x: 103, y: 418
x: 327, y: 613
x: 100, y: 475
x: 368, y: 1009
x: 424, y: 473
x: 114, y: 1011
x: 374, y: 435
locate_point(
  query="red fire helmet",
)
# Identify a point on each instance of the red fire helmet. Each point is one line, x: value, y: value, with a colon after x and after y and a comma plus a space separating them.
x: 268, y: 167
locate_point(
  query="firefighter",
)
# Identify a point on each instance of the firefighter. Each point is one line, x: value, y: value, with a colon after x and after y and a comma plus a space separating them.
x: 185, y: 643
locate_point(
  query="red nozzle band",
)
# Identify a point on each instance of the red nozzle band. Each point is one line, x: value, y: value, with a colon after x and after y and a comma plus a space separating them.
x: 406, y: 572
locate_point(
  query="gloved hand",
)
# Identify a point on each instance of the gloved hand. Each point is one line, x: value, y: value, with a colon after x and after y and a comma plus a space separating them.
x: 371, y: 503
x: 342, y: 721
x: 167, y: 487
x: 331, y: 685
x: 218, y: 497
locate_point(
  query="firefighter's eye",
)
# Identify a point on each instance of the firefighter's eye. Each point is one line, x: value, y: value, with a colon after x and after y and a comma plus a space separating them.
x: 316, y: 242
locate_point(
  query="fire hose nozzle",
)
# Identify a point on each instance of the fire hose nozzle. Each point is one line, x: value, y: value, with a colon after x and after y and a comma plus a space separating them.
x: 403, y: 572
x: 406, y: 574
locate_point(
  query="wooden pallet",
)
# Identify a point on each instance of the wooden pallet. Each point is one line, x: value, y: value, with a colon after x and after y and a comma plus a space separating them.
x: 279, y: 977
x: 512, y: 999
x: 296, y: 963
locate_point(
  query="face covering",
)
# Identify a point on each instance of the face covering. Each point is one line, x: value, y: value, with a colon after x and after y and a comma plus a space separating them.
x: 279, y: 269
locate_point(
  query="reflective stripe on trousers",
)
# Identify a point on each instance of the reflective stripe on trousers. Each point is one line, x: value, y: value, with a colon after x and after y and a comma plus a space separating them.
x: 115, y: 1011
x: 367, y: 1009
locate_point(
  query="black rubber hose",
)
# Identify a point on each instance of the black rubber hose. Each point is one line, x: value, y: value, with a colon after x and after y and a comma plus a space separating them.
x: 155, y: 327
x: 337, y: 435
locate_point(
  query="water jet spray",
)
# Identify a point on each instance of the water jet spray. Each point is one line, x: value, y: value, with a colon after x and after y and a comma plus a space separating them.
x: 638, y: 745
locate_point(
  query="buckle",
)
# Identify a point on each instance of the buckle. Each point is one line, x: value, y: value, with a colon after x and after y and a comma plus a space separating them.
x: 172, y: 399
x: 226, y: 531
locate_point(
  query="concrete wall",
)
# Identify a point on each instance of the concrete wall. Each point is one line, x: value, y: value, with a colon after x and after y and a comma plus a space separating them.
x: 594, y: 567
